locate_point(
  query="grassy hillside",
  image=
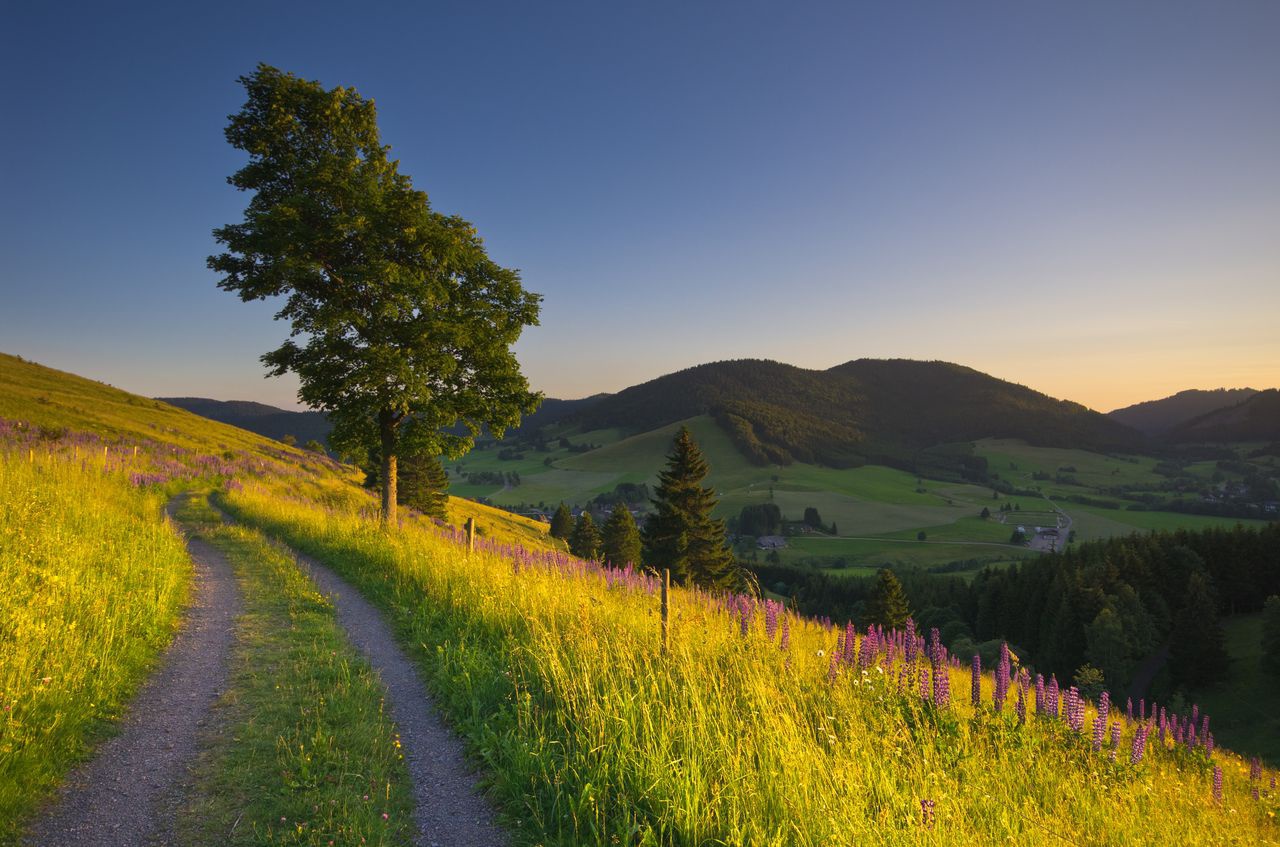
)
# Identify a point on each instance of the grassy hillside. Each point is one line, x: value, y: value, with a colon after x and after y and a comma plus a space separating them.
x: 755, y: 727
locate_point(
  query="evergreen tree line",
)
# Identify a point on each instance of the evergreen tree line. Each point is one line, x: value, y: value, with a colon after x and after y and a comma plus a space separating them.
x: 1109, y: 604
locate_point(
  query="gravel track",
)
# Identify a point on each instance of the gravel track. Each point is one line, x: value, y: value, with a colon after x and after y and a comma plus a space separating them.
x: 448, y: 807
x: 127, y: 794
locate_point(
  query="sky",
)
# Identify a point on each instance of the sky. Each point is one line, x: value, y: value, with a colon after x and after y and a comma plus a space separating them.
x: 1080, y: 197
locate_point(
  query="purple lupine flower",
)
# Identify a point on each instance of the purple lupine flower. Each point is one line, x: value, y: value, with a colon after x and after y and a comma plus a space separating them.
x: 1204, y: 727
x: 1142, y: 709
x: 1208, y: 746
x: 909, y: 642
x: 770, y: 619
x: 867, y: 653
x: 1075, y: 710
x: 1139, y: 744
x: 1051, y: 697
x: 1021, y: 707
x: 850, y: 644
x: 1002, y: 677
x: 1128, y: 710
x: 1100, y: 722
x: 1195, y: 712
x: 1217, y: 784
x: 924, y: 683
x: 941, y: 674
x: 975, y: 683
x: 1039, y: 694
x: 926, y: 813
x: 833, y: 669
x: 1115, y: 739
x: 785, y: 642
x: 1255, y: 769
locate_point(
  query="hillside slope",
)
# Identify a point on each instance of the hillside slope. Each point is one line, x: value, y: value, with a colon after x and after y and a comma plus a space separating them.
x: 1155, y: 417
x: 1255, y: 419
x: 864, y: 410
x: 265, y: 420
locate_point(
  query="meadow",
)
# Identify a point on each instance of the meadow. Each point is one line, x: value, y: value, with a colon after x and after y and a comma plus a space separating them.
x: 755, y: 726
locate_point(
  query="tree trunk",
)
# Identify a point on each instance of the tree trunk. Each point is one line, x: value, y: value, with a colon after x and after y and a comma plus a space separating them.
x: 387, y: 427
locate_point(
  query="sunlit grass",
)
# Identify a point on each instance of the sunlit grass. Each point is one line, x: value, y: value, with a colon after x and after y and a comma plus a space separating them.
x: 304, y: 753
x: 93, y: 579
x: 592, y: 735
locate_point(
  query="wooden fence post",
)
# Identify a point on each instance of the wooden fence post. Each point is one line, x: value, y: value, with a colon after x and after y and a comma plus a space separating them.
x: 471, y: 535
x: 666, y: 608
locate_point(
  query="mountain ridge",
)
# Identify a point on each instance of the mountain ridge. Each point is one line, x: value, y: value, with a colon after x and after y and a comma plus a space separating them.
x: 1156, y: 417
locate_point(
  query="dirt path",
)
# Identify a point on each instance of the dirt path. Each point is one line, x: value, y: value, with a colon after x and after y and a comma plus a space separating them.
x: 448, y: 807
x: 125, y: 795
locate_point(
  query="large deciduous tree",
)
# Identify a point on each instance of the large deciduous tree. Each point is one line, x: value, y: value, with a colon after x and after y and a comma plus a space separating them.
x: 401, y: 324
x: 681, y: 534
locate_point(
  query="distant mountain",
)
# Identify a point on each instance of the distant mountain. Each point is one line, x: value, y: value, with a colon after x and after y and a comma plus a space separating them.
x: 258, y: 417
x: 868, y: 410
x: 1156, y: 417
x: 1254, y: 419
x: 304, y: 426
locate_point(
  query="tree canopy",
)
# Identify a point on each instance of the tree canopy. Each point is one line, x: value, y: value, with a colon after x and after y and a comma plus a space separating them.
x: 401, y: 324
x: 562, y: 523
x: 584, y: 542
x: 681, y: 534
x: 621, y: 542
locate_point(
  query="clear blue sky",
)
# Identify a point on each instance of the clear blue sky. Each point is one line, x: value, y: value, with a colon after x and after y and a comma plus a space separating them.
x: 1082, y: 197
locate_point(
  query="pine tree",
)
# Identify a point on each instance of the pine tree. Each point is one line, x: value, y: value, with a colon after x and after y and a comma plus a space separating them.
x: 681, y: 534
x: 889, y: 603
x: 1196, y: 652
x: 1271, y: 635
x: 584, y: 542
x: 562, y: 523
x: 621, y: 545
x: 423, y: 483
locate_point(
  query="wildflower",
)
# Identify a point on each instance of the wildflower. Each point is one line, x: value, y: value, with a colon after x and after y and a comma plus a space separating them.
x: 785, y: 642
x: 975, y: 681
x: 1139, y: 747
x: 1255, y: 769
x: 1115, y: 739
x: 1021, y: 707
x: 1039, y: 694
x: 1002, y: 677
x: 941, y: 676
x: 1217, y: 784
x: 1100, y: 722
x: 926, y: 813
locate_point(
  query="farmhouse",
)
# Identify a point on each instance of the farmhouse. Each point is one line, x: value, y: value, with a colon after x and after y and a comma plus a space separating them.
x: 771, y: 542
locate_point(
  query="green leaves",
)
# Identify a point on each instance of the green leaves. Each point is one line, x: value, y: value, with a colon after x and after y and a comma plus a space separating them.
x: 403, y: 324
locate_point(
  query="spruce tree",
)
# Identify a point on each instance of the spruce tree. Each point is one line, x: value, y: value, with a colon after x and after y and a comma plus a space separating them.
x: 423, y: 483
x: 1196, y: 652
x: 562, y: 523
x: 1271, y: 635
x: 681, y: 534
x: 584, y: 542
x: 621, y: 544
x: 889, y: 603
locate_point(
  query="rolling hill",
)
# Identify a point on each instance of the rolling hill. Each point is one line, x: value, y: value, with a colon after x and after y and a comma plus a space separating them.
x: 1156, y: 417
x: 864, y: 411
x: 1254, y: 419
x: 265, y: 420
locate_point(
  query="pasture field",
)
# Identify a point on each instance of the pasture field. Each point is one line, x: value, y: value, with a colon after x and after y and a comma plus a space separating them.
x: 592, y: 734
x: 864, y: 557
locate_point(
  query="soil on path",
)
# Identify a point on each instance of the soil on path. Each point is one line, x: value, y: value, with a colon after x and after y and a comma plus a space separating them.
x: 125, y: 796
x: 448, y: 807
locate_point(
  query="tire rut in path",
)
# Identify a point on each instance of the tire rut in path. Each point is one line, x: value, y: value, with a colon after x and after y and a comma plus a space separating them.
x: 127, y: 794
x: 448, y: 807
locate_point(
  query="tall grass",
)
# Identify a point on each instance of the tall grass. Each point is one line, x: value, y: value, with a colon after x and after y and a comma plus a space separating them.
x: 593, y: 735
x: 93, y: 579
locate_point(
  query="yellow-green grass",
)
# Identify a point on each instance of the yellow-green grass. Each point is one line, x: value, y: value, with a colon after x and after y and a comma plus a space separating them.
x: 592, y: 735
x: 93, y: 582
x: 302, y: 752
x: 1246, y: 706
x: 1162, y: 521
x: 1091, y: 469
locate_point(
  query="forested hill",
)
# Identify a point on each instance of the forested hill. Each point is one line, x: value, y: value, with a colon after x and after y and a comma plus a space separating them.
x: 1156, y: 417
x: 1256, y: 419
x: 864, y: 410
x: 257, y: 417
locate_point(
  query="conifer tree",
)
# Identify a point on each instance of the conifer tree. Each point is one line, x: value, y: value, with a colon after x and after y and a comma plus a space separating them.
x: 889, y: 603
x: 423, y: 483
x: 681, y: 534
x: 1271, y: 635
x: 585, y: 540
x: 1196, y: 652
x: 562, y: 523
x: 621, y: 543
